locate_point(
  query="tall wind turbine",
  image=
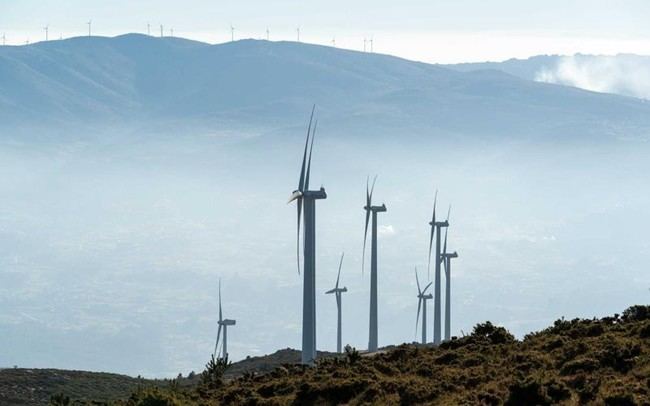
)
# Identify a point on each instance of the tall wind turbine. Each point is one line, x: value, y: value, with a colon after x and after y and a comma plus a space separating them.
x: 422, y: 303
x: 47, y: 32
x: 223, y: 323
x: 303, y: 195
x: 446, y: 260
x: 435, y: 229
x: 232, y: 33
x: 338, y: 292
x: 90, y: 25
x: 369, y: 208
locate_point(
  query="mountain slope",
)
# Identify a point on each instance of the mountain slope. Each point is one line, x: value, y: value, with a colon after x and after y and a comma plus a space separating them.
x: 135, y: 80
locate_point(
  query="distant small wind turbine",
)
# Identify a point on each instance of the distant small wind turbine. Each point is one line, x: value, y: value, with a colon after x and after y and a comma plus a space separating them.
x: 338, y: 292
x: 90, y: 24
x: 223, y: 323
x: 4, y: 39
x: 47, y: 32
x: 371, y: 44
x: 232, y: 33
x: 422, y: 304
x: 161, y: 31
x: 298, y: 33
x: 171, y: 32
x: 267, y: 34
x: 364, y: 44
x: 148, y: 29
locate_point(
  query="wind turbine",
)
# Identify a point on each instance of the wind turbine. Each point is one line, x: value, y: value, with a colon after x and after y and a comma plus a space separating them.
x: 308, y: 197
x: 369, y: 208
x: 47, y: 32
x: 90, y: 24
x: 223, y: 323
x: 4, y: 39
x: 371, y: 44
x: 435, y: 229
x: 161, y: 31
x: 171, y: 32
x: 446, y: 260
x: 422, y: 303
x: 298, y: 33
x: 267, y: 34
x: 232, y: 33
x: 364, y: 44
x: 148, y: 29
x: 338, y: 292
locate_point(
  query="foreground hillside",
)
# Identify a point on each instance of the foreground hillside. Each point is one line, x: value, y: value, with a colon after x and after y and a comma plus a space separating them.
x: 603, y: 361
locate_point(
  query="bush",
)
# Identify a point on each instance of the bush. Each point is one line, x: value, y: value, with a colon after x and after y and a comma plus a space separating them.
x: 496, y: 335
x: 212, y: 376
x: 351, y: 354
x: 636, y: 313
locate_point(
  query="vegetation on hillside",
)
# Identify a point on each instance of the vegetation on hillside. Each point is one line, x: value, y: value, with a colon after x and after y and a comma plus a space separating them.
x: 578, y: 361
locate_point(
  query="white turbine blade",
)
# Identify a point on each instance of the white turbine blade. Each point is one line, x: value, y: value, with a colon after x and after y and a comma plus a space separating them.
x: 417, y: 318
x: 417, y: 280
x: 433, y: 230
x: 426, y: 287
x: 313, y: 135
x: 216, y: 345
x: 339, y: 275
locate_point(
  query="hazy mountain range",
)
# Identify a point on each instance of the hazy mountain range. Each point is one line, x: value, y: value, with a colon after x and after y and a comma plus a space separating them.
x: 136, y: 81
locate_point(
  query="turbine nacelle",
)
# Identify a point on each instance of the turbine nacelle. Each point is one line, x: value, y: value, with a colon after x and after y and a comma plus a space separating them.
x: 376, y: 209
x: 425, y: 297
x: 337, y: 290
x: 439, y: 223
x: 227, y: 322
x: 450, y: 255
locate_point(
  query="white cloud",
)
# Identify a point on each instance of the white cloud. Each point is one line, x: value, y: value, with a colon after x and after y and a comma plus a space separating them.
x: 621, y: 74
x: 384, y: 231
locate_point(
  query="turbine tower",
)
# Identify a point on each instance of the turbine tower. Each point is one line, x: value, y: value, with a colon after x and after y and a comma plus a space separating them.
x: 90, y: 26
x: 308, y: 197
x: 446, y: 260
x: 161, y: 31
x: 371, y: 44
x: 369, y: 208
x: 298, y: 33
x: 47, y: 32
x: 4, y: 39
x: 223, y: 323
x: 422, y: 303
x: 232, y: 33
x: 338, y: 292
x: 148, y: 29
x: 267, y: 34
x: 436, y: 226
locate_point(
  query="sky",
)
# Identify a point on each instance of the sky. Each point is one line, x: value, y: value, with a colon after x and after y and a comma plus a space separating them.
x: 431, y: 31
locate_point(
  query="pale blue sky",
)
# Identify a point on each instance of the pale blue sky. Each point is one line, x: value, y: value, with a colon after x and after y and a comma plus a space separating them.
x: 434, y: 31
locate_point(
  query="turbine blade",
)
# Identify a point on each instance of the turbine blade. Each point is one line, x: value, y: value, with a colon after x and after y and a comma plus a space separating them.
x: 433, y: 230
x: 313, y: 133
x: 372, y: 189
x: 417, y: 280
x: 301, y: 182
x: 365, y: 233
x: 426, y: 287
x: 220, y: 315
x: 448, y: 212
x: 339, y: 275
x: 216, y: 345
x: 417, y: 318
x: 299, y: 206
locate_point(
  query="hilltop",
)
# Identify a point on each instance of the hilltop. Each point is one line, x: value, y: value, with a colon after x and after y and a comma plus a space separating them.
x: 139, y: 82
